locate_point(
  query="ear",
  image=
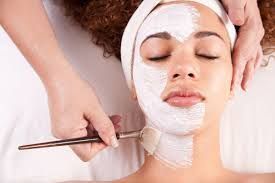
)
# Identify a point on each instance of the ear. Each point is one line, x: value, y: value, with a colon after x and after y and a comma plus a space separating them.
x: 133, y: 92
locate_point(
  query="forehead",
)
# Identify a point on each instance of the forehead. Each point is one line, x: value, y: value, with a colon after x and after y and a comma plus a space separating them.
x: 207, y: 20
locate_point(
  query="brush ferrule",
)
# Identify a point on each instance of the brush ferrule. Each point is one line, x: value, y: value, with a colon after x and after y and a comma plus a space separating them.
x: 132, y: 134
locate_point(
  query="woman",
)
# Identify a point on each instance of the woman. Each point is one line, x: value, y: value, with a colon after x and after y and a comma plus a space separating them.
x: 36, y: 13
x: 32, y: 33
x: 180, y: 72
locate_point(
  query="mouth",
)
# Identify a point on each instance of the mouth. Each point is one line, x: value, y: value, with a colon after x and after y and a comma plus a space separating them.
x: 184, y: 97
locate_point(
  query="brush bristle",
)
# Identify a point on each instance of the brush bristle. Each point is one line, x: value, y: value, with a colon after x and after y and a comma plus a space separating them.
x: 149, y: 138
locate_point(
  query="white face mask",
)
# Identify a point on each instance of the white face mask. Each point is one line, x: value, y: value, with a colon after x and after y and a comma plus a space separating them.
x: 176, y: 124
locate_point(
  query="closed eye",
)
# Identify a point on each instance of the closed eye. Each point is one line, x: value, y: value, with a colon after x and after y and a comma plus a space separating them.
x: 160, y: 58
x: 210, y: 57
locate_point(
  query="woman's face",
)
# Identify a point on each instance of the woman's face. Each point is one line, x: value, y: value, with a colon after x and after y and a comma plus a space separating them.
x: 199, y: 67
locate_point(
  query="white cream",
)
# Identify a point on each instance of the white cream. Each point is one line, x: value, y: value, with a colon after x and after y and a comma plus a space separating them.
x: 179, y: 20
x: 176, y: 124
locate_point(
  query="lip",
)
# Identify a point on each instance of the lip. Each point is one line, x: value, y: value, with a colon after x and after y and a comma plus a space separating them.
x: 184, y: 97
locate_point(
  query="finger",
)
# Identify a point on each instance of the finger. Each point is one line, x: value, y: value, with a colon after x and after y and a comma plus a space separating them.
x: 236, y: 12
x: 259, y: 58
x: 248, y: 74
x: 86, y: 151
x: 254, y: 21
x: 103, y: 125
x: 250, y: 34
x: 64, y: 128
x: 92, y: 132
x: 238, y: 69
x: 246, y: 44
x: 115, y: 118
x: 240, y: 72
x: 117, y: 128
x: 244, y: 50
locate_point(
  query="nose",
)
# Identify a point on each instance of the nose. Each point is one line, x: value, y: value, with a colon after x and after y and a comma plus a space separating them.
x: 184, y: 68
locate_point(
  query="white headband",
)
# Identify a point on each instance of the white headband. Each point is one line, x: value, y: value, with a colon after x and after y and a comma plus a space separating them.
x: 144, y: 9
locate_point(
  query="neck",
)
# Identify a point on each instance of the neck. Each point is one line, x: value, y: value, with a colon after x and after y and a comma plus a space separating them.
x: 206, y: 162
x: 173, y: 150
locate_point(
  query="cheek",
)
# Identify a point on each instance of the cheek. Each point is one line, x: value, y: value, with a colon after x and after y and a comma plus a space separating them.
x: 217, y: 81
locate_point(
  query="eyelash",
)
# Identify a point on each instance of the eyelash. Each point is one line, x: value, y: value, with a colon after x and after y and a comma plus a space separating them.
x: 160, y: 58
x: 208, y: 56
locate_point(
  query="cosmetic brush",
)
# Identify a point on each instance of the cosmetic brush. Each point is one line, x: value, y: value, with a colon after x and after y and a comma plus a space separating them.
x: 140, y: 134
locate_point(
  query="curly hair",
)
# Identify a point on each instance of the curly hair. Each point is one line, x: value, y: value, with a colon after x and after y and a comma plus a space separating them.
x: 106, y: 20
x: 267, y: 10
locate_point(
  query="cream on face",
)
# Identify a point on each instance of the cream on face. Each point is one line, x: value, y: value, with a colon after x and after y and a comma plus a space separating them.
x: 176, y: 124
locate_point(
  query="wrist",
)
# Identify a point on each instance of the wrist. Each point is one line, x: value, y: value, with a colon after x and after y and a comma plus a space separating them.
x: 59, y: 74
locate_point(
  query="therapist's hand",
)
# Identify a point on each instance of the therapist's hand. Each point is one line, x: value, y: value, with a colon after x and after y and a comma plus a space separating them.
x: 247, y: 54
x: 74, y: 108
x: 76, y: 112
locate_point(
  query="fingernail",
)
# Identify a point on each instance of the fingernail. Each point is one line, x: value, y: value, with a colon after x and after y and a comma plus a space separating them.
x: 246, y: 86
x: 232, y: 95
x: 114, y: 141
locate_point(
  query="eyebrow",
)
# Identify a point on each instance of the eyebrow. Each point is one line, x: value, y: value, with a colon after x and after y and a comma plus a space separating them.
x: 203, y: 34
x: 161, y: 35
x: 198, y: 35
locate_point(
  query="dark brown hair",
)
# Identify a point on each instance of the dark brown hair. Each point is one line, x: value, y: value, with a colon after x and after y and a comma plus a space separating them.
x: 105, y: 20
x: 267, y: 10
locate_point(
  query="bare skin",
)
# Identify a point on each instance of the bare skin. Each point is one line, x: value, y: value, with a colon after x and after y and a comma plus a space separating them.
x: 212, y: 77
x: 29, y: 28
x: 248, y: 54
x: 74, y: 107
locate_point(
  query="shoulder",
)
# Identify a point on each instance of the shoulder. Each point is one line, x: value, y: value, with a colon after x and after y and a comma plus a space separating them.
x: 88, y: 182
x: 267, y: 178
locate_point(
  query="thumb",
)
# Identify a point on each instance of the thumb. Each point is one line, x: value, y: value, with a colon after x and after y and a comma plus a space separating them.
x: 104, y: 126
x: 236, y: 12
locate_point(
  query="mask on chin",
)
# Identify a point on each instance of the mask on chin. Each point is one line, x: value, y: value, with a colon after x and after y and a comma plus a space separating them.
x: 175, y: 124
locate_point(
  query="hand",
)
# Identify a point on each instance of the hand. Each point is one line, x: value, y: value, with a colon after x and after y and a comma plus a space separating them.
x: 76, y: 112
x: 247, y: 53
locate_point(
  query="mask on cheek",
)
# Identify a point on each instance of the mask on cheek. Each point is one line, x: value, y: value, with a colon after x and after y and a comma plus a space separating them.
x: 175, y: 124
